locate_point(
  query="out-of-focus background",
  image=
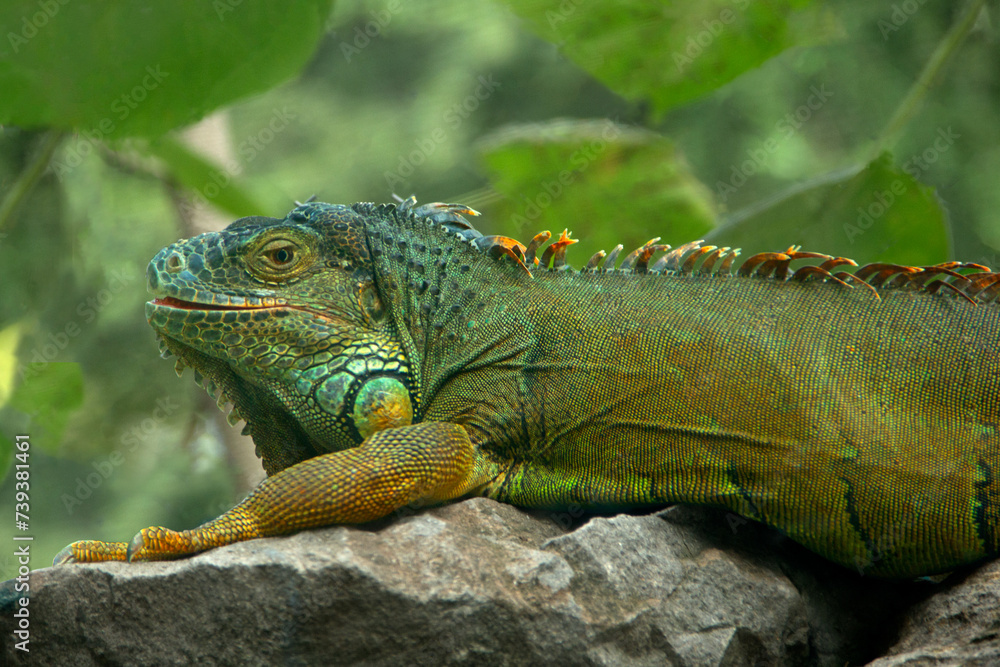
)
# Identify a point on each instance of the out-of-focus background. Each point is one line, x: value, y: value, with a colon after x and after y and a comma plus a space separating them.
x: 870, y: 130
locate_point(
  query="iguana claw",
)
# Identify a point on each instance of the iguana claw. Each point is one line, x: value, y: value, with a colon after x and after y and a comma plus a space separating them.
x: 64, y: 557
x: 152, y: 543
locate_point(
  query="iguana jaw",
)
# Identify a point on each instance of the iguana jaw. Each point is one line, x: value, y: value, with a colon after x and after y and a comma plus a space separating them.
x: 167, y: 315
x: 252, y: 356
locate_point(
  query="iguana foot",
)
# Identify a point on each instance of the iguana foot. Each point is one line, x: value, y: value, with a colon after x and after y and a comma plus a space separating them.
x: 91, y: 551
x: 153, y: 543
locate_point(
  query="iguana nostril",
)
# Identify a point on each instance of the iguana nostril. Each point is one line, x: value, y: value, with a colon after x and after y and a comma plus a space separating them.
x: 175, y: 262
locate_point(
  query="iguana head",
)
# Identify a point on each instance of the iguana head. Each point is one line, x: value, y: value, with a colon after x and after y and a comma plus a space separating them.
x: 283, y: 316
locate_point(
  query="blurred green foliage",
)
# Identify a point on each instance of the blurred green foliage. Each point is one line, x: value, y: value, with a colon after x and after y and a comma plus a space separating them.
x: 877, y: 214
x: 103, y: 68
x: 639, y: 173
x: 667, y: 54
x: 759, y: 123
x: 48, y: 393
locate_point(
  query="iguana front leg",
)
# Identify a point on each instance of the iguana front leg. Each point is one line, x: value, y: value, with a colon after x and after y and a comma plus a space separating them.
x: 429, y: 462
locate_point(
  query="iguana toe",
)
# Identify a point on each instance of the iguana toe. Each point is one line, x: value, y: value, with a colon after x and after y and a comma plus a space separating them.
x: 90, y: 551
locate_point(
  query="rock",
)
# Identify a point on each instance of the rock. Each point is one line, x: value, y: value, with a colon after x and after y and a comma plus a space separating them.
x: 477, y: 582
x: 960, y: 625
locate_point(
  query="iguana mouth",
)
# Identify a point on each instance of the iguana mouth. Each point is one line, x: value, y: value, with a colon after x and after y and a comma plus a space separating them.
x: 173, y: 302
x: 266, y: 303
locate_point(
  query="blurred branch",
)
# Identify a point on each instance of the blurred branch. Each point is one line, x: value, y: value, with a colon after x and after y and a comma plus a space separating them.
x: 946, y: 48
x: 32, y: 173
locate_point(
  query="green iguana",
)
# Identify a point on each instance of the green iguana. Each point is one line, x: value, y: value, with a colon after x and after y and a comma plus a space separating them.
x: 387, y: 354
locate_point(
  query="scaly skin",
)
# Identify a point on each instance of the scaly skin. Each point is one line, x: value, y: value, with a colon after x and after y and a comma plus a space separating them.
x: 383, y: 355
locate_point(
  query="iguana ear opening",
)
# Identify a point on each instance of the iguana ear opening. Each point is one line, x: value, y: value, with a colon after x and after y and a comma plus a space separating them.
x: 370, y: 303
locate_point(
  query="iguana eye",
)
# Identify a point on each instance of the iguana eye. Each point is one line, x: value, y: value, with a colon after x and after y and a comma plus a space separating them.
x: 280, y: 258
x: 278, y: 255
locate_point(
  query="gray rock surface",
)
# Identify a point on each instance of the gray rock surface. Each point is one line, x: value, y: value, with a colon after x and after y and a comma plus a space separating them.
x: 958, y: 626
x: 482, y: 583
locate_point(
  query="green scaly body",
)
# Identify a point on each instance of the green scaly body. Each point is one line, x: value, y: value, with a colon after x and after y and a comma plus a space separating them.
x: 383, y: 354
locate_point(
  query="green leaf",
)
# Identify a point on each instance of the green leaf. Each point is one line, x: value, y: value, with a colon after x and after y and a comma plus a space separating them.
x: 6, y: 456
x: 135, y: 68
x: 670, y: 53
x: 210, y: 182
x: 876, y: 214
x: 10, y: 336
x: 49, y: 392
x: 550, y: 173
